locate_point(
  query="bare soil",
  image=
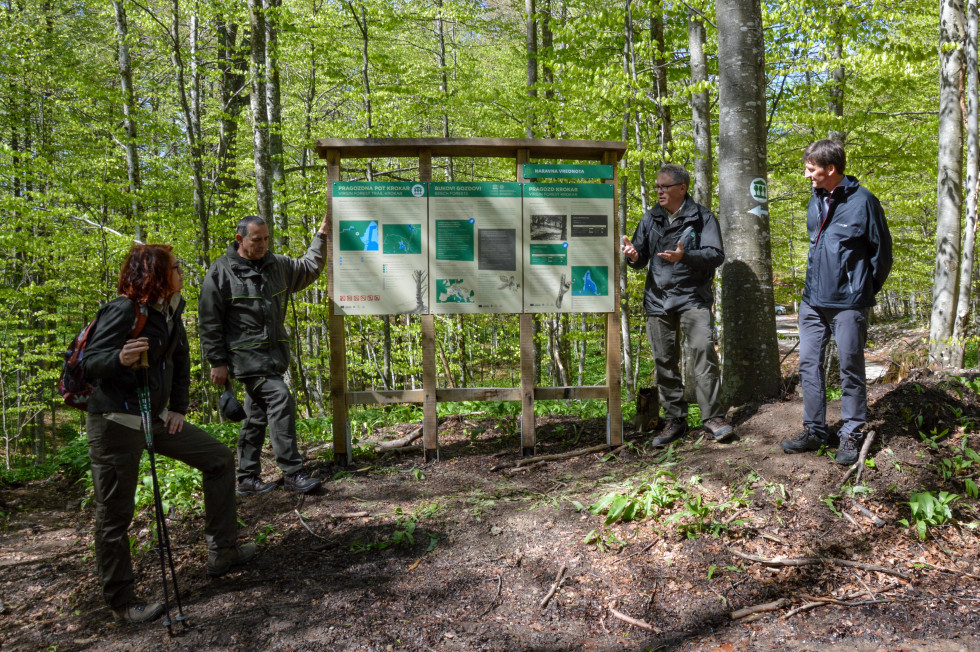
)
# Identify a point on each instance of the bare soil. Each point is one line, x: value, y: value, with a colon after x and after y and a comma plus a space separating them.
x: 488, y: 546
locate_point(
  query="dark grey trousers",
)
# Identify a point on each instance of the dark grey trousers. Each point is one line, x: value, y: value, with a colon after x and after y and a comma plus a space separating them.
x: 663, y: 331
x: 268, y: 403
x: 850, y: 331
x: 115, y: 451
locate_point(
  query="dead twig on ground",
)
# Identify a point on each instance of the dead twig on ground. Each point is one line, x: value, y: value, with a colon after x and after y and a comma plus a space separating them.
x: 867, y: 513
x: 645, y: 548
x: 337, y: 517
x: 858, y: 466
x: 559, y: 578
x: 308, y: 528
x: 738, y: 614
x: 402, y: 442
x: 642, y: 624
x: 549, y: 458
x: 493, y: 603
x: 777, y: 562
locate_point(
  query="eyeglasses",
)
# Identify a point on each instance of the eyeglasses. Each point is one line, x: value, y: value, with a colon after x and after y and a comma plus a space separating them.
x: 666, y: 188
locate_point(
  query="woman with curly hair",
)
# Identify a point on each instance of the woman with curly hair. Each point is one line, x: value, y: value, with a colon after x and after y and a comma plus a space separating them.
x: 149, y: 285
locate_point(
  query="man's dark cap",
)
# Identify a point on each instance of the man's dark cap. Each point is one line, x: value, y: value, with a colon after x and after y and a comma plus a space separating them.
x: 230, y: 407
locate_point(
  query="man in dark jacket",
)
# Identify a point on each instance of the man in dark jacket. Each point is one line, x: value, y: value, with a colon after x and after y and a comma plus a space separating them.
x: 242, y: 312
x: 849, y: 259
x: 680, y: 241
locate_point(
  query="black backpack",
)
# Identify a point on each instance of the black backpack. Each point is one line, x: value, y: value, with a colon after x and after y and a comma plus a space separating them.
x: 73, y: 386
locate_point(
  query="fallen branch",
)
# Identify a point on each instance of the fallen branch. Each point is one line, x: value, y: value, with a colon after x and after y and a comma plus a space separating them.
x: 308, y: 529
x: 859, y: 465
x: 403, y: 442
x: 642, y: 624
x: 804, y: 607
x: 549, y: 458
x: 759, y: 608
x: 777, y: 562
x: 348, y: 515
x: 874, y: 518
x: 559, y: 578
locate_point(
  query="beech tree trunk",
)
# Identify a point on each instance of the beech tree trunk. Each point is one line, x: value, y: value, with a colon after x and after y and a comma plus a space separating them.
x: 273, y: 107
x: 129, y: 125
x: 965, y: 294
x: 950, y: 183
x: 751, y: 357
x: 260, y: 114
x: 700, y: 111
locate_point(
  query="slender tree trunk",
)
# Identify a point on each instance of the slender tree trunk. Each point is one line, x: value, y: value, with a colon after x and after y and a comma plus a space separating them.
x: 129, y: 124
x: 965, y: 294
x: 233, y: 95
x: 700, y: 111
x: 273, y: 105
x: 664, y: 126
x: 532, y: 64
x: 443, y: 83
x: 751, y: 357
x: 260, y: 113
x: 190, y: 109
x: 837, y: 78
x: 632, y: 113
x: 950, y: 183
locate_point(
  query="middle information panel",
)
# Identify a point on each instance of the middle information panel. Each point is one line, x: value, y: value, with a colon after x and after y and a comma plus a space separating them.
x: 476, y: 236
x: 449, y: 248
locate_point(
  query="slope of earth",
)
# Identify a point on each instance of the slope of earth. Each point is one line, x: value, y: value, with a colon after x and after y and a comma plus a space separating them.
x: 475, y: 553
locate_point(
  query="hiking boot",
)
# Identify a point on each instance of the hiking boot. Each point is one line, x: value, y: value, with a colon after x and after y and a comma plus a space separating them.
x: 300, y: 482
x: 674, y: 430
x: 137, y: 612
x: 717, y: 427
x: 253, y: 486
x: 807, y: 441
x: 222, y: 560
x: 850, y: 447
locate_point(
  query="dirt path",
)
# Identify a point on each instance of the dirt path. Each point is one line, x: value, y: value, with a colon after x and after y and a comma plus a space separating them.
x: 455, y: 556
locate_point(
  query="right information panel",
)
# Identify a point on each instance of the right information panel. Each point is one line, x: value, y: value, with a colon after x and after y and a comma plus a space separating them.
x: 569, y: 245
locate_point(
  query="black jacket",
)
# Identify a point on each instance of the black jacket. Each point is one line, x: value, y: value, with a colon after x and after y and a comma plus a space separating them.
x: 242, y: 308
x: 850, y: 251
x: 169, y: 372
x: 671, y: 287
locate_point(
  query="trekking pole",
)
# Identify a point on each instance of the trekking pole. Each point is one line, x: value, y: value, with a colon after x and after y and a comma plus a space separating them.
x: 163, y: 537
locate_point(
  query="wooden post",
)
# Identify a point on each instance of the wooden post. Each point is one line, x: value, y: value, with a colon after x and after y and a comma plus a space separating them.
x: 614, y: 343
x: 338, y: 340
x: 430, y: 418
x: 528, y: 380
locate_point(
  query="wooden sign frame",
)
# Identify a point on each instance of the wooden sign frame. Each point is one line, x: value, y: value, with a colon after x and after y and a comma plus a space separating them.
x: 522, y: 150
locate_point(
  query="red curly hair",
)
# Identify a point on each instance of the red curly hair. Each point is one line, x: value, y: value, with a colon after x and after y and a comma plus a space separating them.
x: 145, y: 276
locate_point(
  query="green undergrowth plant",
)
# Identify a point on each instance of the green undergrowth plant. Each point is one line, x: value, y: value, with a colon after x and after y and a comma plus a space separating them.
x: 929, y: 510
x: 404, y: 532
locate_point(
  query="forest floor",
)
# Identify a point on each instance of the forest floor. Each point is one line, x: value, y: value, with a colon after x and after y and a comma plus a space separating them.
x: 461, y: 554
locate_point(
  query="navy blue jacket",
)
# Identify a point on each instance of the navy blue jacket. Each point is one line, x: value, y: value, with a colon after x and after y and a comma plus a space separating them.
x: 850, y: 249
x: 672, y: 287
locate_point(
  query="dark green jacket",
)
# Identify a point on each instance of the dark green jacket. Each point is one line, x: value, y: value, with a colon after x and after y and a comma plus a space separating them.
x: 242, y: 309
x: 169, y: 372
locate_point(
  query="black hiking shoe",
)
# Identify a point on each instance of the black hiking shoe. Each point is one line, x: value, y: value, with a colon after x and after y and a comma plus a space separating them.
x: 674, y: 430
x: 222, y: 560
x: 300, y: 482
x: 807, y: 441
x: 849, y: 449
x: 138, y: 612
x: 253, y: 486
x: 718, y: 428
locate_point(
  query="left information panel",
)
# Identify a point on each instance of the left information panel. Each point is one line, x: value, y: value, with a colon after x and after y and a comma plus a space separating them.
x: 380, y: 248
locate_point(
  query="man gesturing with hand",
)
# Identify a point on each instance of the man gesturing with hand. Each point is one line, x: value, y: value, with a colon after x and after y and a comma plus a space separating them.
x: 679, y: 242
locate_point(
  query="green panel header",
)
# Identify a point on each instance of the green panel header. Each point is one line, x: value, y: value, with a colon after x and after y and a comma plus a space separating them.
x: 378, y: 189
x: 569, y: 190
x: 474, y: 189
x: 537, y: 171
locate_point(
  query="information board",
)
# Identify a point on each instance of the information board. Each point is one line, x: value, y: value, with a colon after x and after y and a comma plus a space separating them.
x: 569, y: 244
x: 381, y: 257
x: 474, y: 237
